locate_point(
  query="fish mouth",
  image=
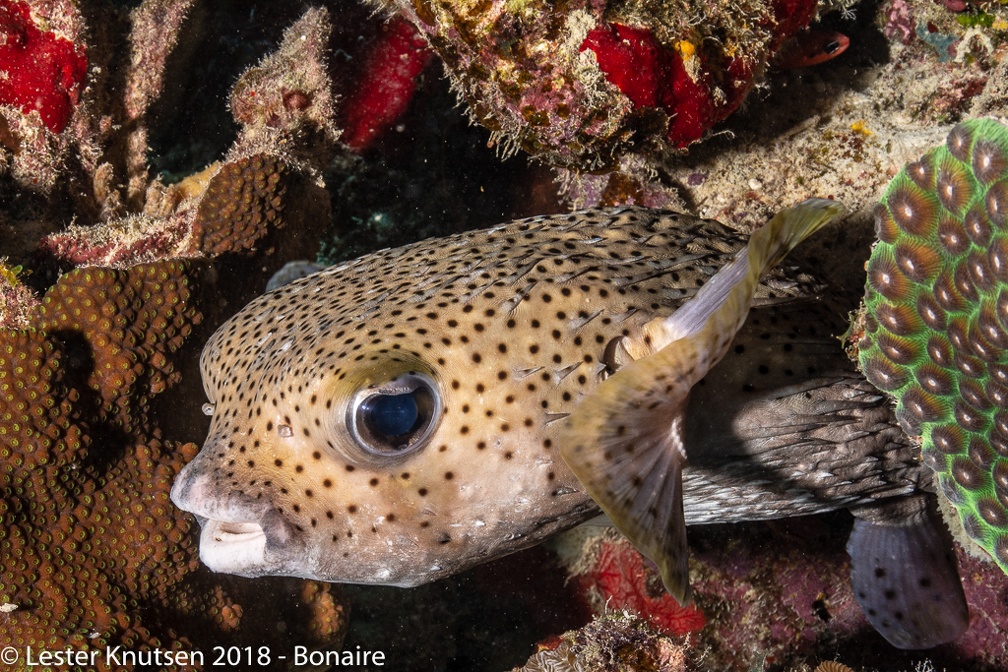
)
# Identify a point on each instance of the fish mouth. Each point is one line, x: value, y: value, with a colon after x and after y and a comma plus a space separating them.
x: 240, y: 535
x: 232, y: 547
x: 250, y: 547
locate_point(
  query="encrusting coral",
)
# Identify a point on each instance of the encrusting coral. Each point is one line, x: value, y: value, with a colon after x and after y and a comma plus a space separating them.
x: 128, y: 324
x: 242, y: 208
x: 582, y: 83
x: 94, y: 552
x: 935, y: 322
x: 285, y: 108
x: 614, y: 642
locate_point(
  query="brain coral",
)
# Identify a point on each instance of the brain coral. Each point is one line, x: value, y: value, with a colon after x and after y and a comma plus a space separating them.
x: 936, y: 319
x: 93, y: 552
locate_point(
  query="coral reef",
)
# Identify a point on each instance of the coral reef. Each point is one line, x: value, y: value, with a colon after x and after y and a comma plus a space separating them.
x: 95, y: 553
x: 935, y: 323
x: 842, y: 129
x: 757, y: 601
x: 130, y: 323
x: 614, y: 642
x: 582, y: 83
x: 241, y: 209
x: 284, y: 105
x: 777, y: 596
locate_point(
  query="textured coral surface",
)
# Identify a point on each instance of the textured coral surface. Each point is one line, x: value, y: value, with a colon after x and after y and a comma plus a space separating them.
x: 101, y: 321
x: 154, y: 111
x: 127, y: 324
x: 936, y: 320
x: 94, y: 552
x: 581, y: 83
x: 40, y: 70
x: 775, y: 596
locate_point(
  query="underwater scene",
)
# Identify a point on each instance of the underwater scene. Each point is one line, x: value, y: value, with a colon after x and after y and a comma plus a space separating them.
x: 504, y: 335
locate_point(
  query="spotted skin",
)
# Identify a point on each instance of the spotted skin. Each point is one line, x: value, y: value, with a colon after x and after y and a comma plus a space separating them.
x: 514, y: 327
x: 625, y: 442
x: 512, y: 346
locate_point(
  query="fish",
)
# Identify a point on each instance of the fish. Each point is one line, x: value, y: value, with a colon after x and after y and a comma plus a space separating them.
x: 420, y: 410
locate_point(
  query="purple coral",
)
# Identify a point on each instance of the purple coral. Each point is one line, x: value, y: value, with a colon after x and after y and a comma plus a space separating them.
x: 899, y: 23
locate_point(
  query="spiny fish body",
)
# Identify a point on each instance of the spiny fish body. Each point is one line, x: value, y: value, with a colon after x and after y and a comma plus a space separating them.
x: 420, y: 410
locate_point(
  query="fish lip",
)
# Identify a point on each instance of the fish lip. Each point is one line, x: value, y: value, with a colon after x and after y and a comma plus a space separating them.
x: 240, y: 535
x: 247, y: 547
x: 232, y: 547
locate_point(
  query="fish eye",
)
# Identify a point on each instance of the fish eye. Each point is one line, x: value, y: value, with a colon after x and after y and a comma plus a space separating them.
x: 396, y: 417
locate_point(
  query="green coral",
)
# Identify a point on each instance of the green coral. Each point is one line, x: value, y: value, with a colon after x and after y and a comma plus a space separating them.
x: 9, y: 274
x: 936, y: 319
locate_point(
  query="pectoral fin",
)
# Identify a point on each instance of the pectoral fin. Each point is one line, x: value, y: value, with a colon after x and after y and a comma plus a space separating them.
x: 624, y: 441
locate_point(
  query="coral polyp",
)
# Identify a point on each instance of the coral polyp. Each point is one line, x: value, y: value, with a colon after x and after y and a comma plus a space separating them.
x: 936, y: 320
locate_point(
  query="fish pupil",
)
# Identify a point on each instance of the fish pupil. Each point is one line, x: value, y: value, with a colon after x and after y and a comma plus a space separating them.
x: 392, y: 415
x: 396, y: 417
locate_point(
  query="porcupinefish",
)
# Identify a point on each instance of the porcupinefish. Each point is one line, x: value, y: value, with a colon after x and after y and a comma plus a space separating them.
x: 420, y: 410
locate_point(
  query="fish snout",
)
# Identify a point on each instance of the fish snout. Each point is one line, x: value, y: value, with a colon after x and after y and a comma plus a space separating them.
x: 240, y: 534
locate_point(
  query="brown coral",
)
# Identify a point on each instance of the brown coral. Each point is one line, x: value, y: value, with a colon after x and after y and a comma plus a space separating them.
x: 38, y: 428
x: 71, y: 557
x: 242, y: 202
x: 235, y: 208
x: 95, y: 553
x: 127, y: 324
